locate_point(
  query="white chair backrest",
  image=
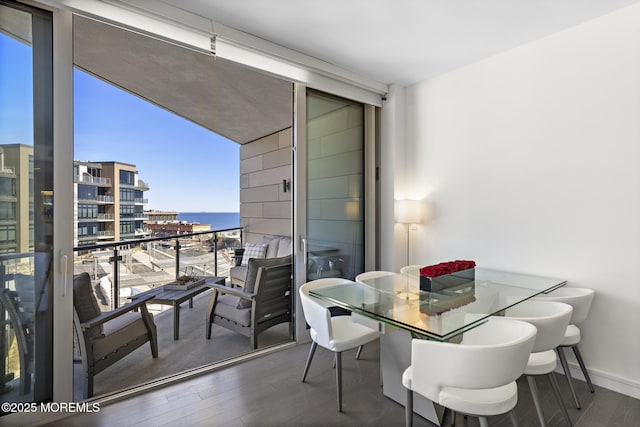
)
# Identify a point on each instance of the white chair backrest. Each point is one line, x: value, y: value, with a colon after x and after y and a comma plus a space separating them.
x: 315, y: 310
x: 411, y: 269
x: 549, y: 317
x: 373, y: 274
x: 490, y: 355
x: 579, y: 298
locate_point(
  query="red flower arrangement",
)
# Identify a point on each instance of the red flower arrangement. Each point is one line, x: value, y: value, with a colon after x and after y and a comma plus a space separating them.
x: 446, y: 268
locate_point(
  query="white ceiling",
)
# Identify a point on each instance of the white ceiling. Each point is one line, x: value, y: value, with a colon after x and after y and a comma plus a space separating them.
x: 400, y: 41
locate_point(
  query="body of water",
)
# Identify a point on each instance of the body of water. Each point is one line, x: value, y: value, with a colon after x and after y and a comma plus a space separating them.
x: 218, y: 220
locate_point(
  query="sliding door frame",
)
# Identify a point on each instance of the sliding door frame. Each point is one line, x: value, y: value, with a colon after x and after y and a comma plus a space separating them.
x: 370, y: 193
x: 60, y: 295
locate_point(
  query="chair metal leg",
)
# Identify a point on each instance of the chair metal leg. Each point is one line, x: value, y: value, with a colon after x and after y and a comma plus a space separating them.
x: 536, y: 399
x: 556, y: 391
x: 453, y: 417
x: 358, y: 352
x: 339, y: 378
x: 483, y: 421
x: 312, y: 350
x: 514, y: 417
x: 88, y: 385
x: 583, y: 367
x: 408, y: 409
x: 567, y: 374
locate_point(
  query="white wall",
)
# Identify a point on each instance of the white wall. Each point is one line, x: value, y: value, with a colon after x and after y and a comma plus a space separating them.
x: 529, y: 161
x: 393, y: 178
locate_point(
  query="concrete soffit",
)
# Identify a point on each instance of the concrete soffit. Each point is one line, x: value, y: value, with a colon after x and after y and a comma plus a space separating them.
x: 170, y: 23
x: 230, y: 100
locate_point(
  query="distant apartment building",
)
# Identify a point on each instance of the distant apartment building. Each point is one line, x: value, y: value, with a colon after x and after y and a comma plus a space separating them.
x: 165, y: 223
x: 154, y: 217
x: 16, y: 198
x: 109, y: 202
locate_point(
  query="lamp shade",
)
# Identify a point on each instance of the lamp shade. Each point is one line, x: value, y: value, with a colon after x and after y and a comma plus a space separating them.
x: 408, y: 212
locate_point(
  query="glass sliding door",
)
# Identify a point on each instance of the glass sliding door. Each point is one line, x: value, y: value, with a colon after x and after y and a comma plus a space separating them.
x: 26, y: 203
x: 335, y: 177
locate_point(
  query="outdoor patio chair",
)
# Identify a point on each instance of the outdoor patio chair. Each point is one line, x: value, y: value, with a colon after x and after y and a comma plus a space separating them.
x: 106, y: 337
x: 263, y: 302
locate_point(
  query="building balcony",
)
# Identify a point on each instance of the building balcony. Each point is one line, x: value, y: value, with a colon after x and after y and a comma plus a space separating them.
x: 86, y: 239
x: 86, y: 200
x: 142, y: 185
x: 105, y: 234
x: 134, y: 216
x: 97, y: 199
x: 88, y: 179
x: 105, y: 217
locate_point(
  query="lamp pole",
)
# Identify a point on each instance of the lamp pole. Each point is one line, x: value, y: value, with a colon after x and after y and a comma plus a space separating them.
x: 408, y: 241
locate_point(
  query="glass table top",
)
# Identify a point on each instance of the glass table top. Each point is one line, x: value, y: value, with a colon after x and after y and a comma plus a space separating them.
x: 444, y: 312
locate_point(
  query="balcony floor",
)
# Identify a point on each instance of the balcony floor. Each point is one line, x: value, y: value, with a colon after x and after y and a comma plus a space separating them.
x: 192, y: 350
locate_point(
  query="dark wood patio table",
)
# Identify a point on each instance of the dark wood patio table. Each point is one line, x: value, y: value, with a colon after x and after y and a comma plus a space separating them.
x: 175, y: 297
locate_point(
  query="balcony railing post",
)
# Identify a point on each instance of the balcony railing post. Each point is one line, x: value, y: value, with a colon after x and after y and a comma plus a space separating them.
x: 177, y: 257
x: 115, y: 287
x: 215, y: 254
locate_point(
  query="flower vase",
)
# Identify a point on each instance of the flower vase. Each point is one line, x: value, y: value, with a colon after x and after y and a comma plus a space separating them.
x: 438, y: 283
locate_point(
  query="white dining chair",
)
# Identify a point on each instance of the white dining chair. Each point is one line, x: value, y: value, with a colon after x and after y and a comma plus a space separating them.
x: 580, y: 299
x: 373, y: 274
x: 336, y: 333
x: 411, y: 269
x: 476, y: 377
x: 551, y: 320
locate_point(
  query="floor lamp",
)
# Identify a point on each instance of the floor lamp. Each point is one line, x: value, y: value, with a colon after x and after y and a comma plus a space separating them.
x: 408, y: 212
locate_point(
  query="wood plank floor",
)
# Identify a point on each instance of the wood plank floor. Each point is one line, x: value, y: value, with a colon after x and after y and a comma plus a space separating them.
x: 267, y: 392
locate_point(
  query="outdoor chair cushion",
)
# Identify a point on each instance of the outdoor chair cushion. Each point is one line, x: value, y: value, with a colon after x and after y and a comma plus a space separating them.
x: 252, y: 274
x: 117, y: 336
x: 253, y: 250
x: 84, y: 301
x: 239, y: 273
x: 276, y: 247
x: 227, y: 307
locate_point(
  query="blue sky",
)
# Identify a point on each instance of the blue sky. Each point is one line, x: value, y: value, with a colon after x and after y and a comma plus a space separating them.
x: 188, y: 168
x: 16, y: 94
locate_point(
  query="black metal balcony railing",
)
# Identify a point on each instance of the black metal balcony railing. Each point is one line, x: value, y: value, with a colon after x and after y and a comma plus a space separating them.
x: 141, y: 263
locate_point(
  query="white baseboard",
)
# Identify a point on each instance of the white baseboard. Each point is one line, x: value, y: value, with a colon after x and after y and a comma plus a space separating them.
x: 605, y: 380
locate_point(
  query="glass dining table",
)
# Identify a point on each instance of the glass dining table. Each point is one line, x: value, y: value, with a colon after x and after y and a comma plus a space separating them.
x: 397, y: 306
x: 442, y: 314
